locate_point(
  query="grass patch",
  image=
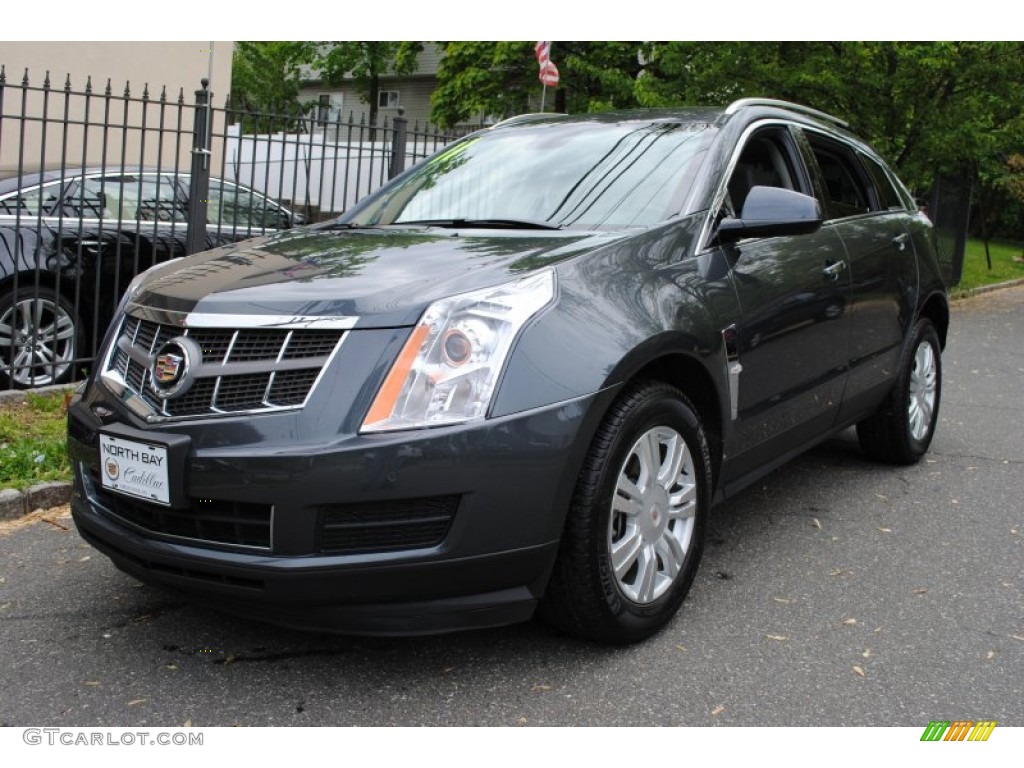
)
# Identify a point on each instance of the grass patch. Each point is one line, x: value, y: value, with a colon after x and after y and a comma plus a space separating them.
x: 1007, y: 264
x: 33, y: 440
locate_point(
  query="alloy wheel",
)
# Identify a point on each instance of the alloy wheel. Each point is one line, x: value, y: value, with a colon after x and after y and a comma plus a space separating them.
x: 653, y: 514
x: 37, y: 341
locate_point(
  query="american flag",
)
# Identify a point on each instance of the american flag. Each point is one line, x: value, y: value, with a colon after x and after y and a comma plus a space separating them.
x: 548, y: 71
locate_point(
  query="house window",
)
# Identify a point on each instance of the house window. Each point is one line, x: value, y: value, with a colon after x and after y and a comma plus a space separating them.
x: 328, y: 108
x: 387, y: 99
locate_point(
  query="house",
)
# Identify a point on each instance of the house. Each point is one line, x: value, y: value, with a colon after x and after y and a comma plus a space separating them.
x: 411, y: 93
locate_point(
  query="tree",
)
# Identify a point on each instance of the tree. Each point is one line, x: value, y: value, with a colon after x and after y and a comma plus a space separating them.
x: 498, y: 78
x: 265, y: 82
x: 955, y: 108
x: 364, y: 63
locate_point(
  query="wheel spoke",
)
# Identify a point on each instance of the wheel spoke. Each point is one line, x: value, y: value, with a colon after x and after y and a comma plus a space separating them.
x: 62, y: 330
x: 650, y: 459
x: 24, y: 311
x: 646, y: 576
x: 682, y: 502
x: 625, y: 552
x: 23, y: 358
x: 45, y: 354
x: 925, y: 413
x: 672, y: 554
x: 673, y: 463
x: 628, y: 498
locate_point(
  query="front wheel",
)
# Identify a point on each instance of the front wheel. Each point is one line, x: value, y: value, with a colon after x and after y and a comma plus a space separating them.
x: 635, y: 530
x: 39, y: 338
x: 902, y: 428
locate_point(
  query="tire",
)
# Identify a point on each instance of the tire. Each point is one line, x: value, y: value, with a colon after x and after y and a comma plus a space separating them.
x: 633, y: 541
x: 40, y: 337
x: 902, y: 428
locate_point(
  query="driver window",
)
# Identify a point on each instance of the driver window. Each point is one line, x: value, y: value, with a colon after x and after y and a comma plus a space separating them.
x: 764, y: 163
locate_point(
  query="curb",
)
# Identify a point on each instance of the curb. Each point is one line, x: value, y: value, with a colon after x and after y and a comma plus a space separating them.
x: 15, y: 504
x: 10, y: 395
x: 970, y: 293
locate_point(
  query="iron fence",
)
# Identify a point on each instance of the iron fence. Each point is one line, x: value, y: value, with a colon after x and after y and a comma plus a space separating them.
x: 98, y: 184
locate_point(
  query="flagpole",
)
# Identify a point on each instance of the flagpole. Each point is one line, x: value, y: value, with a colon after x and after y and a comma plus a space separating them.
x: 543, y: 94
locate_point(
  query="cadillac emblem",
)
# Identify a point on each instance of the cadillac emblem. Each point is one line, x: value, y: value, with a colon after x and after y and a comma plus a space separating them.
x: 173, y: 369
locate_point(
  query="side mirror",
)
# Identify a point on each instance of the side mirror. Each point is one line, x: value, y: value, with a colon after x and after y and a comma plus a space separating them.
x: 772, y: 212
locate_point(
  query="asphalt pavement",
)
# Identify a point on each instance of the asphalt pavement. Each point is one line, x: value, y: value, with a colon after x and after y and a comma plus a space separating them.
x: 834, y: 592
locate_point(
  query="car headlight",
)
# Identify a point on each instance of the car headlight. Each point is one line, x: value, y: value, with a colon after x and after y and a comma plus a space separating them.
x: 448, y: 370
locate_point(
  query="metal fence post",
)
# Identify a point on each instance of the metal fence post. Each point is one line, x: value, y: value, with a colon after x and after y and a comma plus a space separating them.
x: 398, y: 135
x: 199, y: 183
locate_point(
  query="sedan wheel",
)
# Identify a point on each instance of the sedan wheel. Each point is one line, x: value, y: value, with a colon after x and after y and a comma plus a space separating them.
x: 634, y: 533
x: 38, y: 339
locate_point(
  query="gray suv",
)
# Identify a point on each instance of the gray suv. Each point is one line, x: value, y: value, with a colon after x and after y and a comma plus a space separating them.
x: 519, y: 376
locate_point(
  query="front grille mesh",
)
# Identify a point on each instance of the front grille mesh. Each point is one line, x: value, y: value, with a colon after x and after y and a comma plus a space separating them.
x: 206, y: 520
x: 242, y: 370
x: 386, y: 525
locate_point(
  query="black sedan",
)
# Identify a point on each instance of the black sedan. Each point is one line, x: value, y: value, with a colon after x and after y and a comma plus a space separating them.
x: 71, y: 242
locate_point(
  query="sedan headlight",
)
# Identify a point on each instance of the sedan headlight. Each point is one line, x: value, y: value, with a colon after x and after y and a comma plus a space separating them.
x: 448, y: 370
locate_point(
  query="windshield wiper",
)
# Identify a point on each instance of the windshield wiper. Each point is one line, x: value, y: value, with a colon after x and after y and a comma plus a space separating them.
x: 481, y: 223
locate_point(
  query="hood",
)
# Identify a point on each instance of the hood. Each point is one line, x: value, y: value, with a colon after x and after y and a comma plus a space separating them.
x: 386, y: 278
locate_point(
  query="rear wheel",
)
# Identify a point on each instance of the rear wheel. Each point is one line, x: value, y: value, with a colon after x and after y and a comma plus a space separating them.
x: 635, y: 530
x: 902, y: 428
x: 39, y: 338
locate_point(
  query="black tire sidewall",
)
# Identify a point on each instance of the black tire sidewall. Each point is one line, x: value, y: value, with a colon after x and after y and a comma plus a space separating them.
x: 924, y: 333
x: 663, y: 406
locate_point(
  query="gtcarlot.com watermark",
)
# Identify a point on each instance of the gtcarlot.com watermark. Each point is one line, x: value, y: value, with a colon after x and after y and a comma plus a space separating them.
x: 75, y: 737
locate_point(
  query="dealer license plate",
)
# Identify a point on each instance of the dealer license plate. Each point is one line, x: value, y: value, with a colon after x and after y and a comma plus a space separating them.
x: 134, y: 468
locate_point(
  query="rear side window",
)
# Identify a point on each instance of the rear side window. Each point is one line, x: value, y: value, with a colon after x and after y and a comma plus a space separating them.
x: 888, y: 197
x: 34, y: 202
x: 846, y: 188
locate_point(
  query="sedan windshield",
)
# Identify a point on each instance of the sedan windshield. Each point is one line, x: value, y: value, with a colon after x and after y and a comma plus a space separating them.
x: 580, y: 175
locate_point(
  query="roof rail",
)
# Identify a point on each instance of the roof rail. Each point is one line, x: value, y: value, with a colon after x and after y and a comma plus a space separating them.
x: 759, y: 102
x: 526, y: 117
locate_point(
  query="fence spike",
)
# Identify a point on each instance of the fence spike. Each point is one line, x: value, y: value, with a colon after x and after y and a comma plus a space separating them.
x: 3, y: 74
x: 108, y: 91
x: 24, y: 80
x: 145, y: 92
x: 127, y: 89
x: 67, y: 83
x: 88, y: 84
x: 163, y: 95
x: 46, y: 81
x: 181, y: 96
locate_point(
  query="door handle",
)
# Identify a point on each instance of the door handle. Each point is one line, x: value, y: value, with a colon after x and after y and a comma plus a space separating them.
x: 832, y: 270
x: 900, y: 241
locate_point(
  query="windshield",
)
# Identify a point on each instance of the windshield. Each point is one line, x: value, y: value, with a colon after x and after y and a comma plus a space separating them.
x: 580, y: 175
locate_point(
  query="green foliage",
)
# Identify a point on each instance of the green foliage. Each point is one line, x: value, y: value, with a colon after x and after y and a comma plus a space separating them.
x: 265, y: 82
x: 32, y: 441
x: 364, y: 62
x: 928, y: 107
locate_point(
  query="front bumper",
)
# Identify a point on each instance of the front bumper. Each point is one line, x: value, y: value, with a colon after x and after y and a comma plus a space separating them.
x: 337, y: 553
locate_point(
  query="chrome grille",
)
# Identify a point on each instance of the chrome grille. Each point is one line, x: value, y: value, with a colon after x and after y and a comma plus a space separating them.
x: 241, y: 370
